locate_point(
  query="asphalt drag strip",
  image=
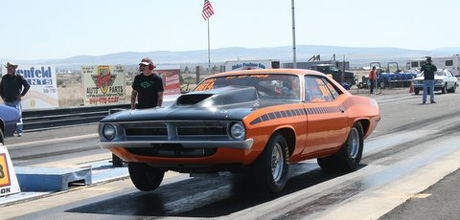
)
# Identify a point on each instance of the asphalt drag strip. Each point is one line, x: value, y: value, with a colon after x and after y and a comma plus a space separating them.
x: 309, y: 193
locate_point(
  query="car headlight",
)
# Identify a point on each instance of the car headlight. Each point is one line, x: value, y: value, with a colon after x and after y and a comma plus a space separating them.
x: 439, y: 81
x: 109, y: 132
x: 237, y: 131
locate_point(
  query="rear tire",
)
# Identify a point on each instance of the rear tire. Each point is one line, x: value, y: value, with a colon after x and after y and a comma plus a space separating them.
x: 444, y: 89
x: 271, y: 167
x: 349, y: 156
x: 452, y: 90
x: 144, y: 177
x: 417, y: 91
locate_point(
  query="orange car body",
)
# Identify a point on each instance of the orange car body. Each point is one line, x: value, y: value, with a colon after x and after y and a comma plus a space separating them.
x: 313, y: 128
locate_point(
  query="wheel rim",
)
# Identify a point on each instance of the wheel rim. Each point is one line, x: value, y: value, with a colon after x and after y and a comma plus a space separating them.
x: 353, y: 143
x: 277, y: 162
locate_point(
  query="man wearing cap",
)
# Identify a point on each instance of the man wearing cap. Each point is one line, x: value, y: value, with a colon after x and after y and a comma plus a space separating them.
x: 147, y: 87
x: 12, y: 88
x: 428, y: 70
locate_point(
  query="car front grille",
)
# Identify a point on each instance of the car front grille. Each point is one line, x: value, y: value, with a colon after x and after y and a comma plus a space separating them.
x: 146, y: 131
x: 202, y: 131
x: 176, y: 129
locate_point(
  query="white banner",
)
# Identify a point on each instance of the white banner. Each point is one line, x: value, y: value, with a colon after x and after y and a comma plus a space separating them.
x: 103, y: 84
x: 247, y: 64
x: 8, y: 180
x: 43, y: 91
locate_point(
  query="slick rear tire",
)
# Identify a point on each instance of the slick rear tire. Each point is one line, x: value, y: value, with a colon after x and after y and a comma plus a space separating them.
x: 417, y: 91
x: 271, y: 167
x: 349, y: 156
x: 144, y: 177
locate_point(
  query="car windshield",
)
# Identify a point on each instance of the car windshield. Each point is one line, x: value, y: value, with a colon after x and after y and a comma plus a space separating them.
x: 268, y: 86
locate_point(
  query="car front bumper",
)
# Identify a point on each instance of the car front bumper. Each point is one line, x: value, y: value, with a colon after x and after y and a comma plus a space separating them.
x: 244, y: 144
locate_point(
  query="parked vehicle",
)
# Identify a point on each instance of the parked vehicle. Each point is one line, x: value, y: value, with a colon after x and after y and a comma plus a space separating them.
x: 254, y: 121
x: 451, y: 63
x: 349, y: 77
x: 9, y: 117
x: 445, y: 81
x: 393, y: 76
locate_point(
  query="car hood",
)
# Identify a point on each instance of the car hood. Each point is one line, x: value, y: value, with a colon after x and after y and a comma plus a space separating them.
x: 228, y: 103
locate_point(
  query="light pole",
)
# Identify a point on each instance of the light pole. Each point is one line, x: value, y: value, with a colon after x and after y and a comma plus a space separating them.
x: 293, y: 37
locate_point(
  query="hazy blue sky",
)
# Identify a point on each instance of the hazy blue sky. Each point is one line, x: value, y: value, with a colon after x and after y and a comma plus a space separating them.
x: 32, y: 29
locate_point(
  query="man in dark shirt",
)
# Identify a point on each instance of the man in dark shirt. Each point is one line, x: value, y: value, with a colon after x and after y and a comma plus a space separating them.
x: 147, y: 87
x: 12, y: 88
x: 428, y: 70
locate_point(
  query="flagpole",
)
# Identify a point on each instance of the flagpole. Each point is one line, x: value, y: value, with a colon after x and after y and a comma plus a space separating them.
x: 209, y: 49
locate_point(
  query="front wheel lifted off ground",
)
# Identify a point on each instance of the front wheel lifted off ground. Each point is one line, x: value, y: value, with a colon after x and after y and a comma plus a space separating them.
x: 349, y: 156
x: 145, y: 177
x: 271, y: 167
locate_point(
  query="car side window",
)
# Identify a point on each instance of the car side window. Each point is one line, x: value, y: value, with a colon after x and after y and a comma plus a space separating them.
x: 331, y: 88
x: 316, y: 91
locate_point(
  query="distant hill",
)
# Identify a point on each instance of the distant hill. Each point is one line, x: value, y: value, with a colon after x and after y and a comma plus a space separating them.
x: 358, y: 56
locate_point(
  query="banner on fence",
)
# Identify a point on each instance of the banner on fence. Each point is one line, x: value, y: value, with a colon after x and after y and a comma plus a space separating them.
x: 43, y: 92
x: 171, y: 81
x: 103, y: 84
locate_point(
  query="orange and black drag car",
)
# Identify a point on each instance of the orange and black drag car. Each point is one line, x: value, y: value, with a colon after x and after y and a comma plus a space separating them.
x: 256, y: 120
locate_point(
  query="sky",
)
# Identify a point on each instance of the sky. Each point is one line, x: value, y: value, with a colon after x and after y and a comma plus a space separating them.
x: 48, y: 29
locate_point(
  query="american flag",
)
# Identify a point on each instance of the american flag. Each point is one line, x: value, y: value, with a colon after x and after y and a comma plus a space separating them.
x: 207, y: 10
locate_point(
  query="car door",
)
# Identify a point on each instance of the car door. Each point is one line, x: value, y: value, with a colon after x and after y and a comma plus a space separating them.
x: 326, y: 116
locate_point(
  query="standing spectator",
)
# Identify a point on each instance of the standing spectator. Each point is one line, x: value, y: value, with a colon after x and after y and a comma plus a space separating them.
x: 372, y: 80
x: 428, y: 70
x: 12, y: 88
x: 147, y: 87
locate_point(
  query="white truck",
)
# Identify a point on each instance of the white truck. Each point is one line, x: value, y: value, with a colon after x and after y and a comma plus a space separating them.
x: 451, y: 63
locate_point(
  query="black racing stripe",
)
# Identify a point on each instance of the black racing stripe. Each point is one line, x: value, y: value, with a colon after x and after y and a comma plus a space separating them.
x: 278, y: 115
x: 302, y: 112
x: 272, y: 116
x: 298, y: 112
x: 256, y: 121
x: 283, y: 114
x: 265, y: 118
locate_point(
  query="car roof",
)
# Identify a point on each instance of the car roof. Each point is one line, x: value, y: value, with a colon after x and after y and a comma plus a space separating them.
x: 299, y: 72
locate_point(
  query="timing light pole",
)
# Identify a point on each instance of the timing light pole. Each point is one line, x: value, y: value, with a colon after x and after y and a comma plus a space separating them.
x: 294, y: 62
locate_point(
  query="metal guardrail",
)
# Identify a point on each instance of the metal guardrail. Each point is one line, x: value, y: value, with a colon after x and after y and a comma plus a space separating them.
x: 48, y: 118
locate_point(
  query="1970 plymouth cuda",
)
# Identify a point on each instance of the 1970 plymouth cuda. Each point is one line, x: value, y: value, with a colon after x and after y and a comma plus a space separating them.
x: 257, y: 120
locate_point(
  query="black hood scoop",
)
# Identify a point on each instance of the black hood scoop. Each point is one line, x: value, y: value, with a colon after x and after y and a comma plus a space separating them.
x: 222, y: 96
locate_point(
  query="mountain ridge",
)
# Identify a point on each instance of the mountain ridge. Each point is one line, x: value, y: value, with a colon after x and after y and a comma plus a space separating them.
x: 358, y: 56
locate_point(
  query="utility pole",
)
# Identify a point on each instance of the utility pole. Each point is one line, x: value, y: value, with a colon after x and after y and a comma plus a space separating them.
x: 343, y: 71
x: 294, y: 62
